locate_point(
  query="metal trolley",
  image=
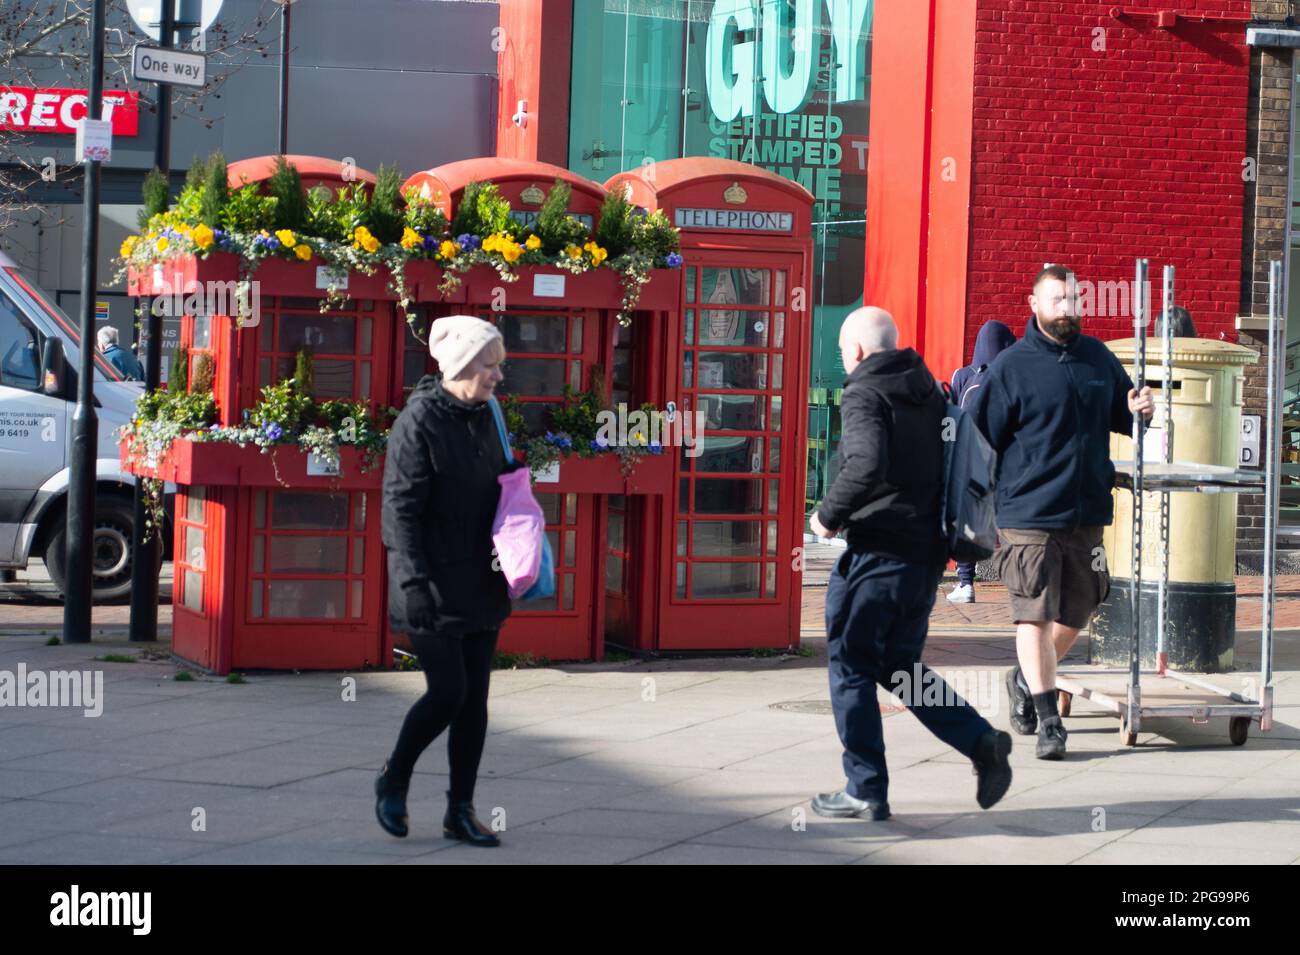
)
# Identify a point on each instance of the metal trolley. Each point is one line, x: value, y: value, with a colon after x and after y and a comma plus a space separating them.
x: 1171, y: 693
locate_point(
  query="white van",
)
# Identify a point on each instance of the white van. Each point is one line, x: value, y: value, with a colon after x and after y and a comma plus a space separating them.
x: 39, y: 358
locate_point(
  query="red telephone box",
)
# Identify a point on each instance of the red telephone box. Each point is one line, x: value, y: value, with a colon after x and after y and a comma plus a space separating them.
x: 729, y: 536
x: 276, y: 562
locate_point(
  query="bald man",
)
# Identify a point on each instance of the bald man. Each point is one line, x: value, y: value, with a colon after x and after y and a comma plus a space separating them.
x: 886, y: 499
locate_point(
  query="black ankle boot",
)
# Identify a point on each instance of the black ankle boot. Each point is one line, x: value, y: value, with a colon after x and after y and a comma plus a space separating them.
x: 390, y: 803
x: 461, y: 824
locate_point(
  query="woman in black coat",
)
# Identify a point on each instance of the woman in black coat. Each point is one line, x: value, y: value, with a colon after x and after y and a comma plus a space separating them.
x: 440, y: 497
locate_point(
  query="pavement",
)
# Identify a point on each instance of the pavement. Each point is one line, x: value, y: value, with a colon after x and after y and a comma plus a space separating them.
x: 701, y: 760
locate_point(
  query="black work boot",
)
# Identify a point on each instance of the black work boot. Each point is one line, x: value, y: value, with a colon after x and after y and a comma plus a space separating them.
x: 1023, y: 718
x: 390, y: 802
x: 992, y: 768
x: 462, y: 824
x: 1051, y: 738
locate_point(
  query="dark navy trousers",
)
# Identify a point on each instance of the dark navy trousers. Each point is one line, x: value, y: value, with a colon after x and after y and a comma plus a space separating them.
x: 877, y: 617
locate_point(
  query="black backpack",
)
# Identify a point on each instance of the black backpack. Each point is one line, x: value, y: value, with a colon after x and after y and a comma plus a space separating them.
x: 967, y: 509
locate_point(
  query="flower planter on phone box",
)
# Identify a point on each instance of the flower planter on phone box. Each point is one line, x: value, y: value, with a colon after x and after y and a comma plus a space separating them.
x: 603, y: 474
x: 216, y: 463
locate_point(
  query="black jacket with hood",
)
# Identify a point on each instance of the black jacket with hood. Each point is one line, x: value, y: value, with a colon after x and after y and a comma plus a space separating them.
x: 993, y: 339
x: 440, y: 498
x: 886, y: 495
x: 1048, y: 410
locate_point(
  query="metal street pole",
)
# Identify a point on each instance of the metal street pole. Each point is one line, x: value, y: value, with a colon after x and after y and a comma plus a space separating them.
x: 85, y: 423
x: 286, y: 6
x: 144, y: 553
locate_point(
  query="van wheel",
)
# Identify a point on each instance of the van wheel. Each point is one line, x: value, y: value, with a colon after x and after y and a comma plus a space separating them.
x: 110, y: 554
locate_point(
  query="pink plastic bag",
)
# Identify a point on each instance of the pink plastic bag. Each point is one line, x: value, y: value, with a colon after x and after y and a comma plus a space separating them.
x: 518, y: 532
x: 519, y: 528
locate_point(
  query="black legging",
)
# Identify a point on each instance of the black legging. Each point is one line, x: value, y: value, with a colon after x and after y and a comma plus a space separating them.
x: 457, y: 670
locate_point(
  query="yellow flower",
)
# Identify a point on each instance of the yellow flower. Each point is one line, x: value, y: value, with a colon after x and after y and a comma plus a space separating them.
x: 573, y: 252
x: 448, y: 249
x: 287, y: 238
x: 533, y: 242
x: 184, y: 229
x: 512, y: 252
x: 410, y: 238
x: 598, y: 255
x: 162, y: 244
x: 202, y: 237
x: 128, y: 246
x: 303, y: 252
x: 370, y: 243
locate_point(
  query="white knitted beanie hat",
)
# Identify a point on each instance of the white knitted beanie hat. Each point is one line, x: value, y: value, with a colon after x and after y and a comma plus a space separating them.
x: 456, y: 340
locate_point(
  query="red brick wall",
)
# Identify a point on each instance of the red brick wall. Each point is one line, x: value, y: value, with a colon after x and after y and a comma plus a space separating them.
x: 1092, y: 158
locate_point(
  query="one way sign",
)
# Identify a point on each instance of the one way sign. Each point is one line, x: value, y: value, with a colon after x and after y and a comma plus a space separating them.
x: 157, y: 65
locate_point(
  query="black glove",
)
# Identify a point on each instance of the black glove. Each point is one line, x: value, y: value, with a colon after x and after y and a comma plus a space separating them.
x: 421, y: 611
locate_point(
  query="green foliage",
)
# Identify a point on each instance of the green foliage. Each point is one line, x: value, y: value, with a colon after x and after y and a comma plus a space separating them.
x: 656, y: 237
x: 247, y: 210
x: 53, y: 642
x: 351, y: 208
x: 184, y: 676
x: 156, y: 195
x: 236, y: 678
x: 216, y: 191
x: 615, y: 231
x: 117, y: 658
x: 555, y: 227
x: 576, y: 417
x: 282, y: 404
x: 386, y: 216
x: 201, y: 382
x: 424, y: 216
x: 322, y: 218
x: 512, y: 411
x: 304, y: 372
x: 285, y: 187
x: 484, y: 211
x: 193, y: 410
x: 514, y: 661
x: 178, y: 378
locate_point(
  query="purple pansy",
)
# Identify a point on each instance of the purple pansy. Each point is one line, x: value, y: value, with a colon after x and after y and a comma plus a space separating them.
x: 273, y: 431
x: 674, y: 260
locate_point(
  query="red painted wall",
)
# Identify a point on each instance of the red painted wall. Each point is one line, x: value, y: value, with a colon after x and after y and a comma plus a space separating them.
x: 534, y: 40
x: 1092, y: 158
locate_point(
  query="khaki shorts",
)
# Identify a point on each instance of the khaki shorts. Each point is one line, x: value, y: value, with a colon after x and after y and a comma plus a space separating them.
x: 1056, y: 575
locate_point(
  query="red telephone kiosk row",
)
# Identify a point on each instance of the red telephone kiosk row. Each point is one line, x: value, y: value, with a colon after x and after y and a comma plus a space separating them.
x: 281, y: 567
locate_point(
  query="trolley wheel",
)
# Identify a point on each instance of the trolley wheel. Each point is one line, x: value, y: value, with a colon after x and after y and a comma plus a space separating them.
x: 1128, y: 736
x: 1063, y: 702
x: 1238, y: 729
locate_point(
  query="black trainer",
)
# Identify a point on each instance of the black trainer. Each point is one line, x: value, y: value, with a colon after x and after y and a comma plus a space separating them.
x: 992, y: 768
x: 1023, y: 718
x: 1051, y: 739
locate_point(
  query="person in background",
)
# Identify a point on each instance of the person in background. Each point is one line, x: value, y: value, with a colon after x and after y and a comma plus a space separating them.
x: 1180, y: 319
x: 993, y: 339
x: 881, y: 592
x: 118, y: 357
